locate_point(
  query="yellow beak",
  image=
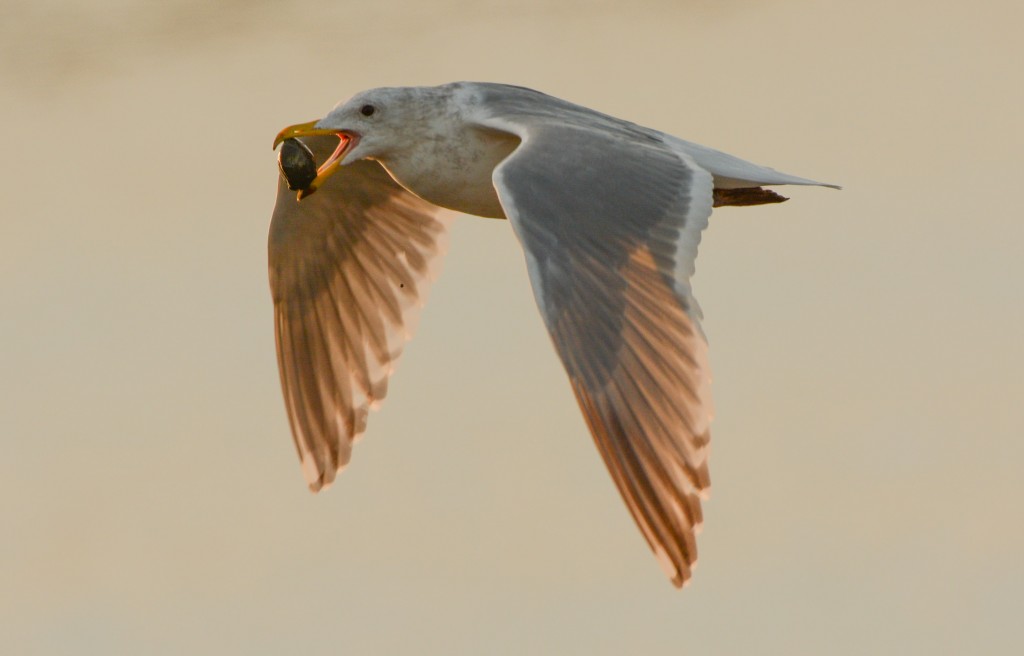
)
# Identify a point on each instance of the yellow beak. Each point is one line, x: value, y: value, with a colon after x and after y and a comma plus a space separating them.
x: 300, y: 130
x: 327, y: 168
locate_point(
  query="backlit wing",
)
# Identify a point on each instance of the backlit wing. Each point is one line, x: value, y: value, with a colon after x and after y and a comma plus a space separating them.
x: 610, y: 218
x: 349, y: 268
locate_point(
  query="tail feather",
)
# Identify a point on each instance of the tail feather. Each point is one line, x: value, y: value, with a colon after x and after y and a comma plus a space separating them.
x: 731, y: 172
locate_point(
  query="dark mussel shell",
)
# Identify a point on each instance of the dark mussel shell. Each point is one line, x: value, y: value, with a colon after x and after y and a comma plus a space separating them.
x: 297, y: 164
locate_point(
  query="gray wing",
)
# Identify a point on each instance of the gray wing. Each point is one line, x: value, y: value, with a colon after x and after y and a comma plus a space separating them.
x: 349, y: 267
x: 610, y: 225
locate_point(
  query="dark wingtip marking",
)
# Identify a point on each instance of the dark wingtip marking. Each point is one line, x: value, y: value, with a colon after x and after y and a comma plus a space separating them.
x: 746, y: 196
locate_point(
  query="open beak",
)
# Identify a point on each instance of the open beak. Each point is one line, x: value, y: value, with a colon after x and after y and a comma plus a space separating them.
x: 332, y: 163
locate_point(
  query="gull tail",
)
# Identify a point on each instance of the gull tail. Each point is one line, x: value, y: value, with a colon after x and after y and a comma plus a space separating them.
x: 733, y: 173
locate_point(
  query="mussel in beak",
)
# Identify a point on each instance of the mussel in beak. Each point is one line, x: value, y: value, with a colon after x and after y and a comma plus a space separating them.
x: 297, y: 164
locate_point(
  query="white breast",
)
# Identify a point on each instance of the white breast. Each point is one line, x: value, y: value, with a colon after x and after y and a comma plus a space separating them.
x: 454, y: 170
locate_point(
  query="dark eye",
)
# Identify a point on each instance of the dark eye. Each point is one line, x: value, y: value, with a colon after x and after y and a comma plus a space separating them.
x: 367, y: 110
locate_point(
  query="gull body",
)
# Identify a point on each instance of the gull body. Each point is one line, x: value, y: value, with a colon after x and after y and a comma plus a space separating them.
x: 609, y: 214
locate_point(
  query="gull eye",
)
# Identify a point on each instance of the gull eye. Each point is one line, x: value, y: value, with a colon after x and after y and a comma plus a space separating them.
x: 367, y: 110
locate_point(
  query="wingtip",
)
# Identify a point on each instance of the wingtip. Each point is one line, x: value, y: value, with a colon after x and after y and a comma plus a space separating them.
x: 678, y: 573
x: 320, y: 484
x: 682, y: 579
x: 318, y: 480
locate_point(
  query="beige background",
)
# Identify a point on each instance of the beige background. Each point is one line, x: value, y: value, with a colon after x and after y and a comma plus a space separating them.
x: 866, y: 343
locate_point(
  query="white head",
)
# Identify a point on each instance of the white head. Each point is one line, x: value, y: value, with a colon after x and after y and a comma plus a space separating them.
x: 373, y: 124
x: 375, y: 120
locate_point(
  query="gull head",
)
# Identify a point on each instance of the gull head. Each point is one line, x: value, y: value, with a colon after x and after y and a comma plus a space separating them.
x: 370, y: 125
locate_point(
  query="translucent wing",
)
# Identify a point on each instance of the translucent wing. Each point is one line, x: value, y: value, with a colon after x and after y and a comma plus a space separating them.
x: 610, y: 218
x: 349, y: 268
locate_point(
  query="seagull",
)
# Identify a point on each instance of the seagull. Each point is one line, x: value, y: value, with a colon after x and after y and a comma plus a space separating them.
x: 609, y: 215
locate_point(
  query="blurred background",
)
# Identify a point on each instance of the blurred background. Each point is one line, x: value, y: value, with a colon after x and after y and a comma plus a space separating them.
x: 867, y: 344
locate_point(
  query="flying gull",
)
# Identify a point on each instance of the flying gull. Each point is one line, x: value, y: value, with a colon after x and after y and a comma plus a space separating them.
x: 609, y: 215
